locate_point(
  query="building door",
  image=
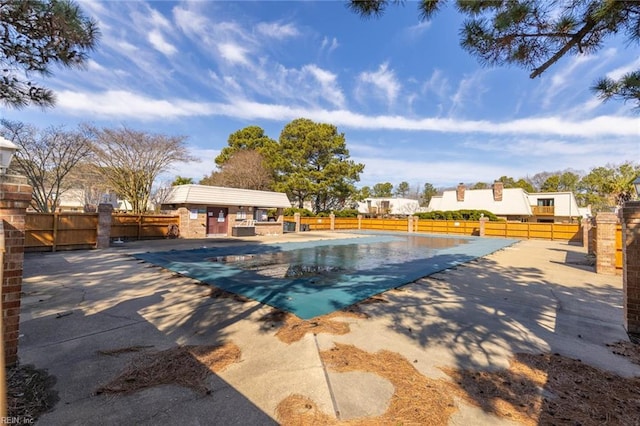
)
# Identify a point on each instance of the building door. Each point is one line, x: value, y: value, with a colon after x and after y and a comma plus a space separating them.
x: 217, y: 220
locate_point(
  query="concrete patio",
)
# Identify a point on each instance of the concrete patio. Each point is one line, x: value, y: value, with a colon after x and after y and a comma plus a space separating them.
x: 535, y: 296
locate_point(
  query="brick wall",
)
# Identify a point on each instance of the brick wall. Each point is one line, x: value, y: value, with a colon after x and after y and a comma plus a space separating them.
x: 15, y: 196
x: 631, y: 265
x: 606, y: 224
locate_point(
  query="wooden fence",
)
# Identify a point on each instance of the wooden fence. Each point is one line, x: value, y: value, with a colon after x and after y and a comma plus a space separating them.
x: 70, y: 230
x: 527, y: 230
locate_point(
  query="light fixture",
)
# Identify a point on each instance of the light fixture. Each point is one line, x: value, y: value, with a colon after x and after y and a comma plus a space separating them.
x: 7, y: 149
x: 636, y: 185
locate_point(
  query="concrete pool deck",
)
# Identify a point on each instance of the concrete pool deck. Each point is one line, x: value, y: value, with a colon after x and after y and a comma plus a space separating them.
x: 535, y: 296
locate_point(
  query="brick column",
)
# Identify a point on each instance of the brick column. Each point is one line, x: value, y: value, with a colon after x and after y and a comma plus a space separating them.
x: 606, y: 243
x: 410, y: 224
x: 332, y: 218
x: 104, y: 225
x: 296, y: 217
x: 483, y: 221
x: 359, y: 222
x: 586, y: 227
x: 631, y: 265
x: 15, y: 197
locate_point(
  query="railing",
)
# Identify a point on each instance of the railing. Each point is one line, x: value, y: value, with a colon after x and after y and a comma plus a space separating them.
x: 543, y: 210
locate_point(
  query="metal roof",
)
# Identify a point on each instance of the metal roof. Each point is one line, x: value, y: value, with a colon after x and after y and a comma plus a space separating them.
x: 217, y: 195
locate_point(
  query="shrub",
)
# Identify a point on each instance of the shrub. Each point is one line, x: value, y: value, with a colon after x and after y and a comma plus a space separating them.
x: 458, y: 215
x: 293, y: 210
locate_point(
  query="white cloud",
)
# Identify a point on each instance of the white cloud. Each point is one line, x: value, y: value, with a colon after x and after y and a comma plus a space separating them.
x: 233, y: 53
x: 329, y: 46
x: 560, y: 81
x: 159, y: 43
x: 381, y: 84
x: 437, y: 83
x: 123, y: 104
x: 132, y: 105
x: 276, y: 30
x: 469, y: 92
x: 418, y: 29
x: 620, y: 71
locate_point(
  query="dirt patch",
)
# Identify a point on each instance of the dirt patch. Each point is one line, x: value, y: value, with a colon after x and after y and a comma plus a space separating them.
x: 187, y: 366
x: 536, y: 389
x: 416, y: 400
x: 292, y: 329
x: 218, y: 293
x: 551, y: 389
x: 626, y: 349
x: 30, y: 393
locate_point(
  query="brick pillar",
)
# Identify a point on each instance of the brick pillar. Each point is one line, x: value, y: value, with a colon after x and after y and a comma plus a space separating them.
x: 631, y: 265
x: 606, y: 243
x: 586, y: 227
x: 483, y: 221
x: 359, y: 222
x: 410, y: 224
x: 104, y: 225
x: 15, y: 197
x: 332, y: 218
x: 296, y: 217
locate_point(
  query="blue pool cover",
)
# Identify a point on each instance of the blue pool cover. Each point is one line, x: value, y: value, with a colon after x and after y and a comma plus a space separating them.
x: 315, y: 278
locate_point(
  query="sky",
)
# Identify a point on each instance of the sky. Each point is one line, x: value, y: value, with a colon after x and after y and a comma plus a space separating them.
x: 412, y: 104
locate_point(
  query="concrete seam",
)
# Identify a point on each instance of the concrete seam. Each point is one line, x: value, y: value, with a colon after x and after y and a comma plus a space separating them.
x: 326, y: 376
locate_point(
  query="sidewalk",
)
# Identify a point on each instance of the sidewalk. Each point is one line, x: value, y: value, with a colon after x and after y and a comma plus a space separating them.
x: 532, y: 297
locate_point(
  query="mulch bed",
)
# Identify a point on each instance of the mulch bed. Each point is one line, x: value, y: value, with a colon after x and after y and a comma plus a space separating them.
x: 187, y: 366
x: 30, y: 393
x: 417, y: 399
x: 534, y: 390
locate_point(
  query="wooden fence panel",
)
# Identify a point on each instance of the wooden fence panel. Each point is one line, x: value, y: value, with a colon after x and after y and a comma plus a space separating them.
x: 60, y: 231
x: 346, y: 223
x: 316, y: 223
x: 386, y: 224
x: 140, y: 227
x: 495, y: 229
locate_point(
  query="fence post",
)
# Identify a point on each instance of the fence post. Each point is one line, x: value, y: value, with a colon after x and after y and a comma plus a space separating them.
x: 332, y: 219
x: 359, y: 222
x: 631, y: 265
x: 296, y: 217
x: 586, y: 227
x: 483, y: 221
x: 606, y: 243
x: 104, y: 225
x: 15, y: 197
x: 56, y: 221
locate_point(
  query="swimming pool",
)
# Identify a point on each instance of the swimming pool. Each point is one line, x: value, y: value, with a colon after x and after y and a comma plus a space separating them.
x: 315, y: 278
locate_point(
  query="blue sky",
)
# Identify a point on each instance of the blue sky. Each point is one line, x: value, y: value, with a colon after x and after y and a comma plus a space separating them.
x: 412, y: 104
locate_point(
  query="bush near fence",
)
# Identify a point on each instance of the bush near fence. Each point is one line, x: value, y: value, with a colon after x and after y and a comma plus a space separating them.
x: 71, y: 230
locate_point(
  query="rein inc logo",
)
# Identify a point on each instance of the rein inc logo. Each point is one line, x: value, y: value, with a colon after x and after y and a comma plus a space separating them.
x: 17, y: 420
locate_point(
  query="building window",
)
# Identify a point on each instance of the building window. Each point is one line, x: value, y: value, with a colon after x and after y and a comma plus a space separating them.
x: 241, y: 215
x: 545, y: 202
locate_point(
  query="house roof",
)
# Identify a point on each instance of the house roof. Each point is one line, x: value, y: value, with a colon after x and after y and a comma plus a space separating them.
x: 514, y: 202
x: 204, y: 194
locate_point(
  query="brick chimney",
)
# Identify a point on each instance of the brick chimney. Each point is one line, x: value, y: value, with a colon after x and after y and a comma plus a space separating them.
x: 460, y: 192
x: 497, y: 190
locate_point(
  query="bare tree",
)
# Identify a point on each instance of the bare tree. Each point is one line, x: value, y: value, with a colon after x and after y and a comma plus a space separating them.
x: 46, y: 158
x: 244, y: 169
x: 91, y: 184
x: 131, y: 160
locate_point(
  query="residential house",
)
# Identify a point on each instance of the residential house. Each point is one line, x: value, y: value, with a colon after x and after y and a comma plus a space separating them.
x: 212, y: 210
x: 389, y: 206
x: 513, y: 204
